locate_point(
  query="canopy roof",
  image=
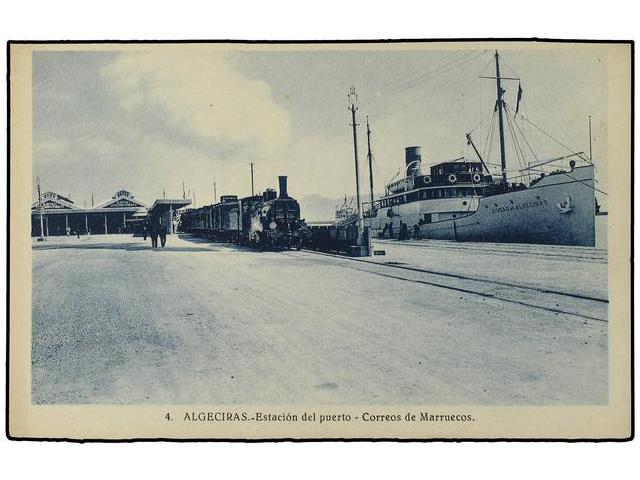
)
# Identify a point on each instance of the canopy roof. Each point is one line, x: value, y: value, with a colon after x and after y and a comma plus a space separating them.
x: 163, y: 205
x: 122, y: 201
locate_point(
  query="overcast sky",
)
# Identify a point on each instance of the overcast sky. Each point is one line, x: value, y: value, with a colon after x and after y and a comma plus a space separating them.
x: 147, y: 120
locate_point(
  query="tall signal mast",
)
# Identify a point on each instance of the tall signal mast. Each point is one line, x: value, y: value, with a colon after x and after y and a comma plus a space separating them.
x: 500, y: 92
x: 353, y: 98
x: 252, y: 189
x: 369, y: 158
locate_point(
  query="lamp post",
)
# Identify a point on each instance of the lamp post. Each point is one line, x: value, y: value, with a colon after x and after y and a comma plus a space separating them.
x: 252, y: 189
x: 41, y: 211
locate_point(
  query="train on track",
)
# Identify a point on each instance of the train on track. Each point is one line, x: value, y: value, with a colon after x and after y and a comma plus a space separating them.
x: 269, y: 221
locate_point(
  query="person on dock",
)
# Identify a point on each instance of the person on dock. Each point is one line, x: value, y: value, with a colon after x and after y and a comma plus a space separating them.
x: 403, y: 234
x: 153, y: 233
x: 162, y: 231
x: 388, y: 228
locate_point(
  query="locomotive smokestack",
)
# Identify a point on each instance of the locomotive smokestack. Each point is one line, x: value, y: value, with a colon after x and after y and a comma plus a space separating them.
x: 412, y: 158
x: 282, y: 179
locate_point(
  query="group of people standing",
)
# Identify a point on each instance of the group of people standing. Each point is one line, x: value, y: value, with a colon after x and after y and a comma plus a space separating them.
x: 155, y: 228
x: 403, y: 232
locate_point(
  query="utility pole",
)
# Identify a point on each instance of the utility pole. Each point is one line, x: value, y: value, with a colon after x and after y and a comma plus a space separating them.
x: 353, y: 98
x: 369, y: 157
x: 183, y: 193
x: 252, y: 190
x: 92, y: 200
x: 503, y: 160
x: 41, y: 210
x: 215, y: 194
x: 164, y: 193
x: 590, y: 158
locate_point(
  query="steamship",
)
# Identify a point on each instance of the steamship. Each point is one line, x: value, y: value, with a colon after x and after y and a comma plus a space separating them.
x: 461, y: 200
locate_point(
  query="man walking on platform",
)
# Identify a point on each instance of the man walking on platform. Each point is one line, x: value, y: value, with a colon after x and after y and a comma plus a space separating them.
x: 153, y: 233
x: 162, y: 230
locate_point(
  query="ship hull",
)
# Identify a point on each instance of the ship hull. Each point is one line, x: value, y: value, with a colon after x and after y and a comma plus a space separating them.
x: 558, y: 210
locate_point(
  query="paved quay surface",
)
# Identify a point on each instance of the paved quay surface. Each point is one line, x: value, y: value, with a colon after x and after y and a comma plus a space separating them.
x: 578, y: 270
x: 116, y: 322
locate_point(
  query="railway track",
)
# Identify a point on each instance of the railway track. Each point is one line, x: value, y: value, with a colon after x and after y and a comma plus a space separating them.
x: 551, y: 300
x: 554, y: 252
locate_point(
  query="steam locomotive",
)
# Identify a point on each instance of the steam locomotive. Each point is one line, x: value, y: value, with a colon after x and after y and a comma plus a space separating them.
x: 267, y: 221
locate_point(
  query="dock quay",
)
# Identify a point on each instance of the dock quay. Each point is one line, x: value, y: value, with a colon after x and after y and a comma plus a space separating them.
x: 429, y: 322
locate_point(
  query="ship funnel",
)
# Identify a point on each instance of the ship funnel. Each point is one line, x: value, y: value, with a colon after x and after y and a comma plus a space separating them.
x: 282, y: 179
x: 412, y: 158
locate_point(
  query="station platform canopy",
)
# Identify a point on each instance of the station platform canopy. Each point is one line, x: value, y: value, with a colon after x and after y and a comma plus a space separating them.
x: 164, y: 205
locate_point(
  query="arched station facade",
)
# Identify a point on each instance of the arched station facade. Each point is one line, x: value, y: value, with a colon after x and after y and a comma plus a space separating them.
x: 54, y: 214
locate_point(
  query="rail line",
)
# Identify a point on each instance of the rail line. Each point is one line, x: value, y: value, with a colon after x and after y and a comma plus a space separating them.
x: 599, y: 256
x: 511, y: 295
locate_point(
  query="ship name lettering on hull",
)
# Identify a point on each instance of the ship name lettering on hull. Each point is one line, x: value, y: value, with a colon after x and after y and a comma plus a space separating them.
x: 519, y: 206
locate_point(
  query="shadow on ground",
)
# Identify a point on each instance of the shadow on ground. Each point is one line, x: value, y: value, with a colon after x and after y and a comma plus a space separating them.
x: 199, y: 240
x: 121, y: 246
x: 146, y: 245
x: 229, y: 245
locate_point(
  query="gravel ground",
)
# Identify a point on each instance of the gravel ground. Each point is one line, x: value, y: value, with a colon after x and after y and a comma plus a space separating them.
x: 196, y: 322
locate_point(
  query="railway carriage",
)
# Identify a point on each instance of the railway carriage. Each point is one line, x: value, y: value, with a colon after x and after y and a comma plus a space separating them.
x: 267, y: 221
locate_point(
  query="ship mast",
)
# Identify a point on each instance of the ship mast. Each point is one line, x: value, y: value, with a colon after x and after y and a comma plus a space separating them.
x: 369, y: 157
x: 352, y: 108
x: 590, y: 157
x: 503, y: 160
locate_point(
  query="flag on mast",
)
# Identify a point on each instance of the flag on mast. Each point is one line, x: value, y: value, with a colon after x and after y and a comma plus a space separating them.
x: 519, y: 98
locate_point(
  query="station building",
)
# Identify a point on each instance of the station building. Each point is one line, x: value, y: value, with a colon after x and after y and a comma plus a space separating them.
x: 58, y: 215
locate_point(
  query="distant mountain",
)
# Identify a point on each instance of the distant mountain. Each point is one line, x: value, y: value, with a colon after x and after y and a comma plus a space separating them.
x: 316, y: 208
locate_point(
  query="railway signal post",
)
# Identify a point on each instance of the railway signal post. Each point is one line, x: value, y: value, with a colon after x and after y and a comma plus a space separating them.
x: 362, y: 248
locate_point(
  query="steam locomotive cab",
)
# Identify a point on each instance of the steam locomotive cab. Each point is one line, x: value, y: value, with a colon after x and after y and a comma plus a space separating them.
x: 274, y: 219
x: 267, y: 221
x: 281, y: 224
